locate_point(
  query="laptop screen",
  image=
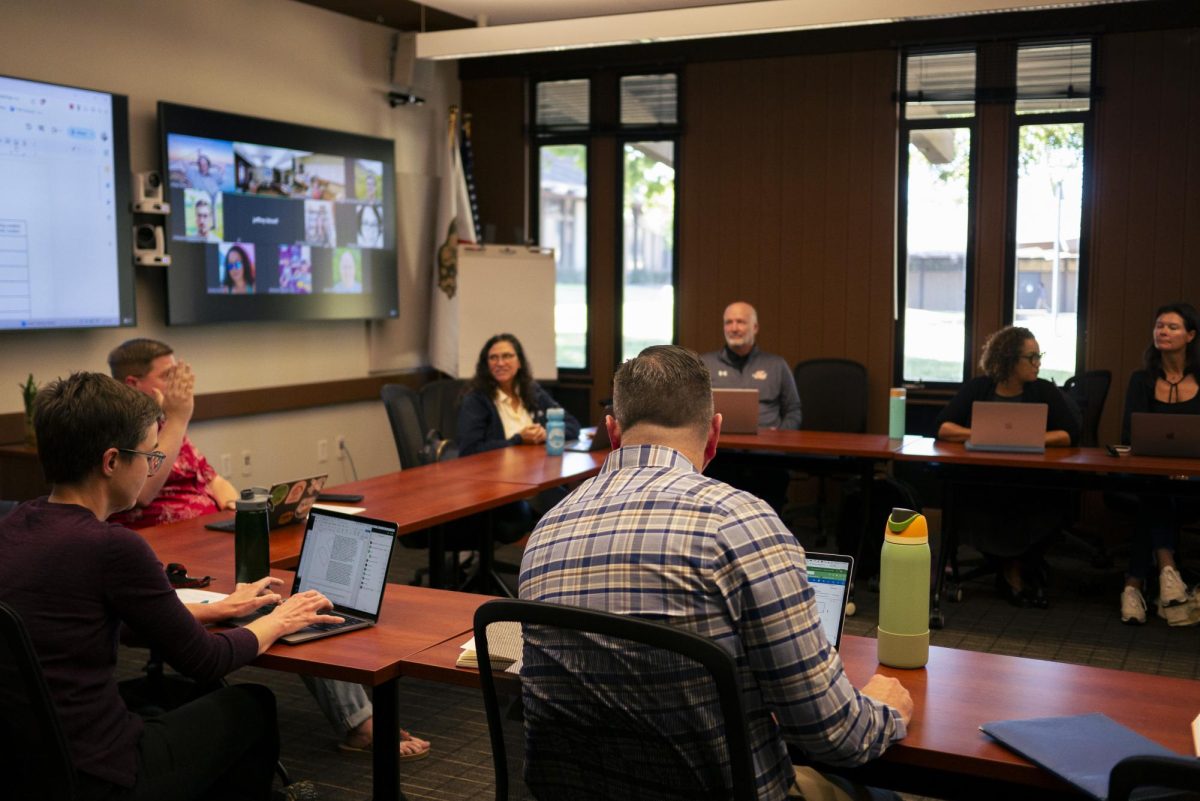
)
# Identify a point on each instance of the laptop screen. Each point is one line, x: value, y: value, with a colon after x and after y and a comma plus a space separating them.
x: 346, y: 558
x: 829, y: 576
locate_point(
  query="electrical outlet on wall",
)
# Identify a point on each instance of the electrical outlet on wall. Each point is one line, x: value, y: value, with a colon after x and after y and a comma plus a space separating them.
x: 322, y: 450
x: 246, y: 467
x: 341, y: 447
x: 226, y: 465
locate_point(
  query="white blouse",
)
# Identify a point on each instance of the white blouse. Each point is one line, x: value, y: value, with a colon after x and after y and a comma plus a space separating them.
x: 513, y: 420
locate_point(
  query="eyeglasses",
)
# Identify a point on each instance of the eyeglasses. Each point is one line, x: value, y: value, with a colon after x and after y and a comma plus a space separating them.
x: 154, y: 459
x: 1033, y: 358
x: 501, y: 357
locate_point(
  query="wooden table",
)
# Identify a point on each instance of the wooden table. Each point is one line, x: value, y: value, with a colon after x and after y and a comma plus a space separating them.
x: 876, y: 447
x: 945, y: 754
x: 412, y: 619
x: 1067, y: 468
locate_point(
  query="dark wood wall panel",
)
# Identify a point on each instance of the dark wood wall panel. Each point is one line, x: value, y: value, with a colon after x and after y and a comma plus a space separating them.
x: 787, y: 201
x: 1146, y: 220
x: 497, y: 109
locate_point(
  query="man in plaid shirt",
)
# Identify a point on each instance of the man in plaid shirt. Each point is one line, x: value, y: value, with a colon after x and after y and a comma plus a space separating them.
x: 650, y: 536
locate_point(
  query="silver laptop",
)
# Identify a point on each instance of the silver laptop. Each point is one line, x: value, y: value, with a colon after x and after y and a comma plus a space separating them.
x: 739, y: 408
x: 1008, y: 427
x: 289, y: 503
x: 345, y: 557
x: 1165, y: 434
x: 830, y: 576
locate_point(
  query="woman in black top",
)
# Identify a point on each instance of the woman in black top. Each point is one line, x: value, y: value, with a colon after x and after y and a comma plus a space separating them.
x: 1009, y: 528
x: 1167, y: 385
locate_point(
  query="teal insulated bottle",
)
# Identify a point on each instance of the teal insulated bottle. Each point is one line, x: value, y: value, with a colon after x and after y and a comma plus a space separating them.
x: 897, y: 397
x: 556, y: 431
x: 904, y: 591
x: 251, y: 542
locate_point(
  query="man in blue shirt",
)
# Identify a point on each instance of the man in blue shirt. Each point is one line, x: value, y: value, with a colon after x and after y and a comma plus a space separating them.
x: 652, y: 537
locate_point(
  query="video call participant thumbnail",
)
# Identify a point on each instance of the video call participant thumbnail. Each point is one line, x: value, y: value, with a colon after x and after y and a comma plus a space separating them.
x: 347, y: 278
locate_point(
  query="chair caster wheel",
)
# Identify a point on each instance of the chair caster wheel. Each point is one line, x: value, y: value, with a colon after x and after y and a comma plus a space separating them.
x: 851, y: 609
x: 937, y: 620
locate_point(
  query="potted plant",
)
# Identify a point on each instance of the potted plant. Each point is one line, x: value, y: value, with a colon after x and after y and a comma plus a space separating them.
x: 29, y: 391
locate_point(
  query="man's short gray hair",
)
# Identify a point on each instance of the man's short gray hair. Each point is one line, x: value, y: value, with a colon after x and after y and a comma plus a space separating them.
x: 666, y: 386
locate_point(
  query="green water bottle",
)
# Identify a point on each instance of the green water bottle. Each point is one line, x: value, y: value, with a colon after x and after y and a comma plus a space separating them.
x: 904, y: 591
x: 251, y: 536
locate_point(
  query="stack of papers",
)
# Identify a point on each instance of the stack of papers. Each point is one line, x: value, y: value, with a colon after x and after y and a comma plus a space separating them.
x: 504, y: 648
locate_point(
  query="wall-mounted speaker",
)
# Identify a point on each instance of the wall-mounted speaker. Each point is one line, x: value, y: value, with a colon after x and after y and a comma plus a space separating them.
x: 148, y: 194
x: 149, y: 246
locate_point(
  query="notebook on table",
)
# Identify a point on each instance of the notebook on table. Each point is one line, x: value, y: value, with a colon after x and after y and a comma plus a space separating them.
x: 1008, y: 427
x: 290, y: 502
x: 738, y: 409
x: 830, y: 576
x: 1165, y: 434
x: 1082, y: 749
x: 345, y: 557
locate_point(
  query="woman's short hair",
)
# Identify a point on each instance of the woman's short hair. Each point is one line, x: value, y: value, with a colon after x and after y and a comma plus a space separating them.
x: 664, y: 385
x: 1002, y: 351
x: 522, y: 381
x: 1191, y: 320
x: 77, y: 419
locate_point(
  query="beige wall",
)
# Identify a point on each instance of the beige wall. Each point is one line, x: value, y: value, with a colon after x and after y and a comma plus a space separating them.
x: 270, y: 58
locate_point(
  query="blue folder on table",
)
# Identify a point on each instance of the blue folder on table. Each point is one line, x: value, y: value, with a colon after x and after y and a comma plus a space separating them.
x: 1082, y: 749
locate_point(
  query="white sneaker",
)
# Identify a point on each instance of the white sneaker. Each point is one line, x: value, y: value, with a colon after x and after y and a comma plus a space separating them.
x: 1171, y: 589
x: 1133, y: 606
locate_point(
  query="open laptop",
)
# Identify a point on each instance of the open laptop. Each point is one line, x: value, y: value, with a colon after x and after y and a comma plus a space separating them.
x: 830, y: 575
x: 593, y: 439
x: 1165, y: 434
x: 1008, y: 427
x: 289, y: 503
x: 346, y: 558
x: 738, y: 408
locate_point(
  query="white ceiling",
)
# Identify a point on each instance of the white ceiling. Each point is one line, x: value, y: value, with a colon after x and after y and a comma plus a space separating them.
x: 509, y: 12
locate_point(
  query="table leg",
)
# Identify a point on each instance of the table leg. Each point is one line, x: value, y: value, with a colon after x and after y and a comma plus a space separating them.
x: 947, y: 544
x: 386, y: 747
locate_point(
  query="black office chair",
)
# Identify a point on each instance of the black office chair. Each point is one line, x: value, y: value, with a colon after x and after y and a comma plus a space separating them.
x: 598, y: 750
x: 34, y: 760
x: 833, y: 397
x: 403, y: 407
x: 439, y: 404
x: 1089, y: 390
x: 1155, y: 773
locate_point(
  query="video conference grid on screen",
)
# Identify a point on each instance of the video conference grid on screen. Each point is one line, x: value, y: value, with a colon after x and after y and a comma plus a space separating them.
x: 64, y: 219
x: 276, y: 220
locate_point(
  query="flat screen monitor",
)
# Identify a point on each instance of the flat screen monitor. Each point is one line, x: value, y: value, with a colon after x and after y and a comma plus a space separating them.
x: 65, y: 224
x: 275, y: 221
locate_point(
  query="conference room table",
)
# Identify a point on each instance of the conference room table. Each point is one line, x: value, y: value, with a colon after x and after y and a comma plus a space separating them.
x: 945, y: 755
x: 412, y: 618
x: 1064, y: 468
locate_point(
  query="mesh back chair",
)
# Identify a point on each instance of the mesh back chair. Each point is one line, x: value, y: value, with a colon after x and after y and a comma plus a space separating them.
x: 1089, y: 390
x: 408, y: 423
x: 1155, y: 774
x: 439, y: 404
x: 648, y: 739
x: 34, y: 760
x: 833, y: 397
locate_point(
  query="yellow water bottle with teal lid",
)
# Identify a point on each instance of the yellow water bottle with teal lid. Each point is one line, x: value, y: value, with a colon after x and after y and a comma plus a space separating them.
x: 904, y: 591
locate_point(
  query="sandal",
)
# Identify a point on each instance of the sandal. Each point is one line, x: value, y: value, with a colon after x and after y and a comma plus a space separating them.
x: 411, y: 747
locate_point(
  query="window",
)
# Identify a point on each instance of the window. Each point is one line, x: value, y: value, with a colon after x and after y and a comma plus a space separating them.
x: 562, y: 114
x: 935, y: 209
x: 648, y: 252
x: 562, y: 225
x: 1052, y: 101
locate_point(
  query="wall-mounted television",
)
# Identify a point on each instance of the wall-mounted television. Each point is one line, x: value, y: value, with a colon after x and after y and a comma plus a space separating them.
x: 275, y: 221
x: 65, y: 224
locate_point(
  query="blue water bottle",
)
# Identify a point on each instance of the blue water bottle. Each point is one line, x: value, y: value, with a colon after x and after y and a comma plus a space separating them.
x: 556, y: 432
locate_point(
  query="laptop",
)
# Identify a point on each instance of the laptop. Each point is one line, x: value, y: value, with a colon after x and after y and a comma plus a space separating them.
x: 1165, y: 434
x: 289, y: 503
x: 830, y: 575
x: 738, y: 408
x: 1008, y: 427
x: 591, y: 439
x: 346, y: 558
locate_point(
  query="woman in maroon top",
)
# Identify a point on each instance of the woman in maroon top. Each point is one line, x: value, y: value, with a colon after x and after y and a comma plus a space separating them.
x: 77, y: 580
